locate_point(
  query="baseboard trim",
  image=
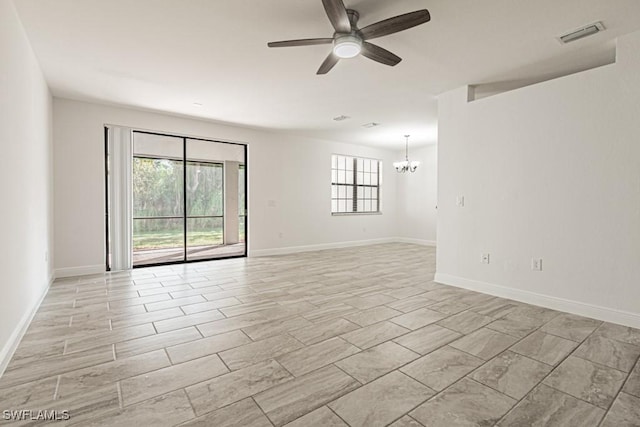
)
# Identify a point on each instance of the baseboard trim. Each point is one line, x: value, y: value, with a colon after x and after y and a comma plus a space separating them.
x: 14, y: 340
x: 79, y: 271
x: 575, y: 307
x: 421, y: 242
x: 320, y: 247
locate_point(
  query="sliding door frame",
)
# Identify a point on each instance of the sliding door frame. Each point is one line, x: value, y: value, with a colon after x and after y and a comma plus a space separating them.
x: 185, y: 259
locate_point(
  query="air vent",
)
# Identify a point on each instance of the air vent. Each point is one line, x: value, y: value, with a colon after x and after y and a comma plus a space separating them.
x: 371, y: 125
x: 341, y: 118
x: 580, y: 33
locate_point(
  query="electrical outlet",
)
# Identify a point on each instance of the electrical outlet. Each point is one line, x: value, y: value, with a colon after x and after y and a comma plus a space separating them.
x: 460, y: 201
x: 484, y: 258
x: 536, y: 264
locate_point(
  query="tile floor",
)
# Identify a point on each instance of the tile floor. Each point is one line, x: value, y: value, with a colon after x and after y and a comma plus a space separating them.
x: 358, y: 337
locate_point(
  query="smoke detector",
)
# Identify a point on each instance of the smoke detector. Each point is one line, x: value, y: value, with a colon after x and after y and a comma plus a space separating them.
x: 582, y: 32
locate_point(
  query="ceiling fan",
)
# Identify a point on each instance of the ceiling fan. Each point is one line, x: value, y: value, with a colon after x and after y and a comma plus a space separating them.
x: 350, y: 41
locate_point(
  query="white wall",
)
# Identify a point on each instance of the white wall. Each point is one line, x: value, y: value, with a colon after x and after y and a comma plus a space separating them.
x: 25, y: 173
x: 417, y: 197
x: 289, y: 184
x: 549, y: 171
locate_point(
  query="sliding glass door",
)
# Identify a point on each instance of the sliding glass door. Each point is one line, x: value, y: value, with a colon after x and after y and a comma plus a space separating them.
x: 188, y: 199
x: 158, y: 199
x: 205, y: 202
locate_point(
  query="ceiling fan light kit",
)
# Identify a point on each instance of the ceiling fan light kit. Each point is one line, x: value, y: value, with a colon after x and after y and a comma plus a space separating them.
x: 350, y: 41
x: 347, y: 46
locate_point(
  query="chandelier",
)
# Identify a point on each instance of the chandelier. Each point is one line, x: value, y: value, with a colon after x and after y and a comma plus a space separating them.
x: 406, y: 165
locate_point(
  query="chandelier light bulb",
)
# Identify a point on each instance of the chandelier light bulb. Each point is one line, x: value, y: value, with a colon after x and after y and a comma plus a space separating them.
x: 406, y: 165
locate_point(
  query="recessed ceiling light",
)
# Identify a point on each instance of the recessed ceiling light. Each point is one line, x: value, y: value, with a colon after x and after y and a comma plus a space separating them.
x: 371, y: 125
x: 341, y: 118
x: 197, y: 104
x: 580, y: 33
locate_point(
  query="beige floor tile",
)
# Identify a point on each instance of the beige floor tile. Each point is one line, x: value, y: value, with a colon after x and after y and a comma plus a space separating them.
x: 624, y: 412
x: 139, y: 301
x: 237, y: 310
x: 88, y: 379
x: 55, y: 365
x: 512, y: 374
x: 329, y: 312
x: 466, y: 403
x: 515, y: 325
x: 316, y: 356
x: 465, y: 322
x: 442, y: 367
x: 545, y: 348
x: 322, y: 416
x: 205, y: 346
x: 608, y: 352
x: 381, y: 401
x: 20, y: 396
x: 406, y: 421
x: 365, y: 302
x: 209, y: 305
x: 427, y: 339
x: 269, y: 348
x: 546, y: 406
x: 449, y: 307
x: 83, y: 406
x: 418, y: 318
x: 322, y: 331
x: 244, y: 413
x: 236, y: 385
x: 329, y: 316
x: 377, y: 361
x: 619, y: 333
x: 593, y: 383
x: 571, y: 327
x: 276, y: 327
x: 187, y: 320
x: 152, y: 384
x: 155, y: 342
x: 375, y: 334
x: 138, y: 319
x: 496, y: 308
x: 632, y: 385
x: 484, y: 343
x: 27, y: 354
x: 162, y: 305
x: 110, y: 337
x: 166, y: 410
x: 373, y: 315
x: 286, y: 402
x: 410, y: 304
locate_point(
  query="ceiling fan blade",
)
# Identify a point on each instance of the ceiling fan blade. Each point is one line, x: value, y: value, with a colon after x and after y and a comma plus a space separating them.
x: 379, y: 54
x: 338, y: 16
x: 328, y: 64
x: 302, y: 42
x: 395, y: 24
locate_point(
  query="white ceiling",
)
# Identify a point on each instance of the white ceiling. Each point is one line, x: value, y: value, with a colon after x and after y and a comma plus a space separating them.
x: 166, y: 55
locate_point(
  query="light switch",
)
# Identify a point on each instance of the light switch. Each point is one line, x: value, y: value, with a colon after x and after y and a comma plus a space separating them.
x: 460, y: 201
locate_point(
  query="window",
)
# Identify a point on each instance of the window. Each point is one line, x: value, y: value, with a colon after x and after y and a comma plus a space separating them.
x: 355, y: 184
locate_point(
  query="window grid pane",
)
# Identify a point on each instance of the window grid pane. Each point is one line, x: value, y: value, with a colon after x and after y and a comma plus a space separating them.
x: 362, y: 195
